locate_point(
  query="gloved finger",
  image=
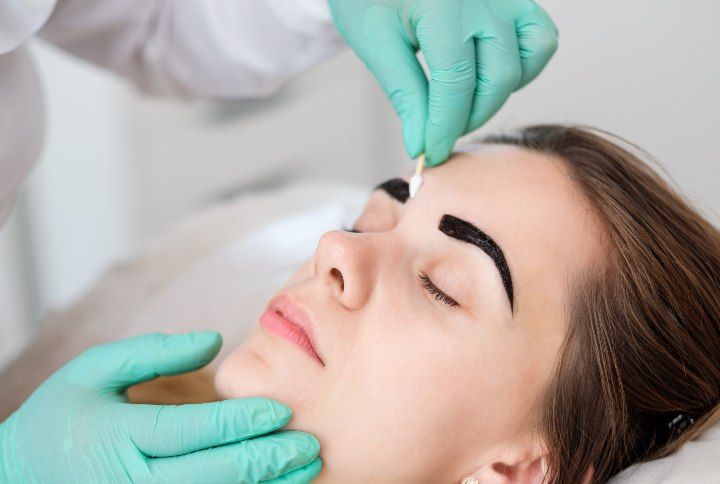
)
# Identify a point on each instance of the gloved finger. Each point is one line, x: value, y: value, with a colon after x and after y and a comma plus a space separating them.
x: 300, y: 476
x: 393, y: 62
x: 498, y: 72
x: 451, y: 62
x: 117, y: 365
x: 538, y: 40
x: 250, y: 461
x: 168, y: 430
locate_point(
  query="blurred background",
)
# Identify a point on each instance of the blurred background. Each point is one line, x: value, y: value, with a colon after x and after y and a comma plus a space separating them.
x: 119, y: 168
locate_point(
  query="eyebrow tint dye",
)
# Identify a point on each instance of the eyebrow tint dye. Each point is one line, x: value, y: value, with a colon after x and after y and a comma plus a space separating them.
x: 467, y: 232
x: 397, y: 188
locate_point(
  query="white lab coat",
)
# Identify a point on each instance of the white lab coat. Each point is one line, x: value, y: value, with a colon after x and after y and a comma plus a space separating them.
x: 186, y: 48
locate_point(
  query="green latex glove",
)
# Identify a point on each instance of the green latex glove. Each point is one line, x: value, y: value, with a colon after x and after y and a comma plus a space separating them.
x: 78, y: 427
x: 477, y: 51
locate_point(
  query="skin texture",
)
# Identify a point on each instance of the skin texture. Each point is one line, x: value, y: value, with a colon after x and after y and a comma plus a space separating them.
x: 414, y: 390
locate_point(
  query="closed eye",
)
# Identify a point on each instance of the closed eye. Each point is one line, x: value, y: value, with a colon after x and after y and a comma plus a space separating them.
x: 435, y: 291
x: 424, y: 279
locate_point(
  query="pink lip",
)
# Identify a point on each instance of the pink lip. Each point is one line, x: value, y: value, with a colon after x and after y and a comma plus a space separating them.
x: 286, y: 320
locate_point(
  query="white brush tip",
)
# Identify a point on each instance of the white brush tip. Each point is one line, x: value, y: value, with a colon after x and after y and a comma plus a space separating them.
x: 415, y: 184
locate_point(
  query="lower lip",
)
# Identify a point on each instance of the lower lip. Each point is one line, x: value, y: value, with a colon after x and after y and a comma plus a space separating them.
x: 277, y: 324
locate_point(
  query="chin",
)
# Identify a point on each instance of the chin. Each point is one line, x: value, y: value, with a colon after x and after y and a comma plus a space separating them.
x: 264, y: 366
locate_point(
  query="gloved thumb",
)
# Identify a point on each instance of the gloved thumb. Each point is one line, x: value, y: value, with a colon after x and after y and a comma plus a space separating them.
x: 120, y: 364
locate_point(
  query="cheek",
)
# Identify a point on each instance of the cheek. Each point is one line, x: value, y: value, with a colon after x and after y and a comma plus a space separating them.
x: 437, y: 399
x: 406, y: 391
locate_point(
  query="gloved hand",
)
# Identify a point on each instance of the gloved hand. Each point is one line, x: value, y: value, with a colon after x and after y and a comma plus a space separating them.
x: 477, y: 51
x: 78, y: 427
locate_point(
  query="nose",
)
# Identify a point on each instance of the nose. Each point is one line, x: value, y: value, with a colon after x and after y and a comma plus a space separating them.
x: 345, y: 263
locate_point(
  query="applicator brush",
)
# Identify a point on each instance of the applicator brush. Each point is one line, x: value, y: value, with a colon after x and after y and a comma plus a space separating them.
x: 417, y: 180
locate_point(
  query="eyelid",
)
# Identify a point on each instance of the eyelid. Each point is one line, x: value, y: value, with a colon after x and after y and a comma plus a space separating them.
x: 425, y: 282
x: 437, y: 293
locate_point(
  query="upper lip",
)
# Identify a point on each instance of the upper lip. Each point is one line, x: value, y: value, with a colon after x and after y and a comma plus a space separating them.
x: 293, y: 312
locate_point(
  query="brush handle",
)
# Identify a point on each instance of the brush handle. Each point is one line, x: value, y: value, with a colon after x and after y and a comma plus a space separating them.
x: 420, y: 164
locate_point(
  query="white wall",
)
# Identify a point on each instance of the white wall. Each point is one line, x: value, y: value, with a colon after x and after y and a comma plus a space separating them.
x: 118, y: 168
x: 644, y: 69
x: 79, y: 200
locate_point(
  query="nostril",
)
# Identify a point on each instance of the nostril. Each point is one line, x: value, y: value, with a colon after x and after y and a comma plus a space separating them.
x: 337, y: 275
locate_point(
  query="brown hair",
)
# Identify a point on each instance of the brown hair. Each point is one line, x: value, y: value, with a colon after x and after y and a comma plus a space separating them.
x: 643, y: 338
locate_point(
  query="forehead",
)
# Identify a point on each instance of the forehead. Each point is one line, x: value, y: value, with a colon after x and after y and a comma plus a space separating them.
x: 528, y: 203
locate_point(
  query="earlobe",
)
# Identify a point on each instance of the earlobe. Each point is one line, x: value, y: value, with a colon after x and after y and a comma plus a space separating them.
x: 525, y: 472
x: 517, y: 464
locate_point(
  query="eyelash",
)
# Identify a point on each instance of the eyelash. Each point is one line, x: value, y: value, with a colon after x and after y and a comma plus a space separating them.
x: 435, y: 291
x: 425, y: 282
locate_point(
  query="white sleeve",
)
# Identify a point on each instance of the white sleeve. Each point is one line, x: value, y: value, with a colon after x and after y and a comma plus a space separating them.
x: 20, y: 20
x: 209, y: 48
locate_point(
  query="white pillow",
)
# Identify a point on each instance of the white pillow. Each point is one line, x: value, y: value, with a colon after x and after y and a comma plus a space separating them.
x: 698, y: 461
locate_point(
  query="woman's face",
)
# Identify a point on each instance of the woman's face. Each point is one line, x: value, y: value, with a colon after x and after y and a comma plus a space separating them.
x: 425, y: 370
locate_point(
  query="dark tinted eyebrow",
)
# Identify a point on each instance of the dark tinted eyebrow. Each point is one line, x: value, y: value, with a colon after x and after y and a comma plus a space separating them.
x: 465, y: 231
x: 397, y: 188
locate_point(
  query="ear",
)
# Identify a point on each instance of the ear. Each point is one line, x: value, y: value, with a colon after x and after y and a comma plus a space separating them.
x: 522, y: 462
